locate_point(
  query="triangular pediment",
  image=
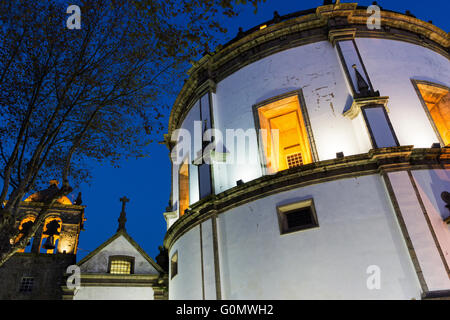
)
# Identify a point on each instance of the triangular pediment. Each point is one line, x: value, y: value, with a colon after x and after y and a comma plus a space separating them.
x: 120, y: 244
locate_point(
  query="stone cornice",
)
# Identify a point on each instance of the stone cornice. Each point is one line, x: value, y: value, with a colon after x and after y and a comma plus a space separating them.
x: 297, y: 31
x: 119, y: 280
x: 343, y: 34
x: 55, y: 206
x: 45, y: 255
x: 374, y: 162
x: 157, y: 282
x: 355, y: 108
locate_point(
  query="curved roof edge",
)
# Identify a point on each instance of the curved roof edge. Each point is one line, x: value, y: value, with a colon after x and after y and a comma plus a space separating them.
x: 294, y: 30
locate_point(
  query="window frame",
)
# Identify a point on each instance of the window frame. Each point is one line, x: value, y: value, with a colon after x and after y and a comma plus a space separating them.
x: 22, y: 283
x: 415, y: 84
x: 174, y: 262
x: 306, y: 120
x: 56, y: 237
x: 347, y: 70
x: 185, y: 161
x: 369, y: 128
x: 285, y: 209
x: 130, y: 259
x: 25, y: 219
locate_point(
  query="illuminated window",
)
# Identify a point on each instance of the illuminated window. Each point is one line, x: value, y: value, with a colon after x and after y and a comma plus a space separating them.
x: 297, y: 216
x: 183, y: 182
x: 436, y: 101
x: 174, y: 265
x: 286, y: 144
x: 51, y: 235
x: 24, y: 227
x: 26, y: 285
x: 121, y: 265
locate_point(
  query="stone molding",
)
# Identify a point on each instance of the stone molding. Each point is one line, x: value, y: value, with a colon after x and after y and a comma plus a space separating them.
x: 156, y: 282
x: 296, y: 31
x: 335, y: 35
x: 358, y: 103
x: 376, y: 161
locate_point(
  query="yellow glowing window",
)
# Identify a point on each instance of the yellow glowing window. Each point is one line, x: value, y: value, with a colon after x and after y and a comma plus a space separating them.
x: 437, y: 101
x: 286, y: 143
x: 120, y: 266
x: 24, y: 227
x: 183, y: 182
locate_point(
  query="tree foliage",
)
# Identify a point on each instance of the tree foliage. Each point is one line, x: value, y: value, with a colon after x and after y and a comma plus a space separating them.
x: 71, y: 96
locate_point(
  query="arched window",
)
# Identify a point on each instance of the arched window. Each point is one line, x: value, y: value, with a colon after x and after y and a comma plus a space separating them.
x: 24, y: 227
x: 50, y: 235
x: 435, y: 99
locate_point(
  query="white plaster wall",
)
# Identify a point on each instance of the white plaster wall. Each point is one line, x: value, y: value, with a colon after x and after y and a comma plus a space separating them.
x: 187, y: 284
x: 314, y: 68
x: 431, y: 183
x: 208, y: 261
x: 391, y: 66
x: 361, y: 132
x: 119, y: 246
x: 357, y: 229
x: 428, y: 256
x: 114, y: 293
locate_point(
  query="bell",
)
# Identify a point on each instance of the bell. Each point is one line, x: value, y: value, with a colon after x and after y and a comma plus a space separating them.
x: 48, y: 245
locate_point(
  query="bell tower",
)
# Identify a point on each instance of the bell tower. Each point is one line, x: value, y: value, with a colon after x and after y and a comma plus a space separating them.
x: 37, y: 271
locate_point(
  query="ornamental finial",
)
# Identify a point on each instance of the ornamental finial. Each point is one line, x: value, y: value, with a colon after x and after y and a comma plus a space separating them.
x: 122, y: 219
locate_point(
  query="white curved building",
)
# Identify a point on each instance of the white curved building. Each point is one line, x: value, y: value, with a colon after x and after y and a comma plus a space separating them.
x: 330, y: 162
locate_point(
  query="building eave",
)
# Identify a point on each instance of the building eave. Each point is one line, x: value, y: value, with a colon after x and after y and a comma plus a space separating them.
x: 297, y: 31
x: 376, y: 161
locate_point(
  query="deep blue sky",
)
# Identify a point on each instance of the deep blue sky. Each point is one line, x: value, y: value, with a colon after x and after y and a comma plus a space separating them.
x: 146, y: 182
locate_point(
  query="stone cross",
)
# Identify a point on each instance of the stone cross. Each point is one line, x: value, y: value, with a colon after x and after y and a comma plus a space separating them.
x: 122, y: 219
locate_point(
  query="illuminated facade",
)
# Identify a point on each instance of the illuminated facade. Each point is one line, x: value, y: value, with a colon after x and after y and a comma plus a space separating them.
x: 119, y: 269
x: 344, y: 133
x: 37, y: 271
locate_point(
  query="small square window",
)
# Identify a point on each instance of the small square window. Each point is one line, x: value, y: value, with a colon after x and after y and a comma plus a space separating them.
x: 174, y: 265
x: 26, y: 285
x: 121, y: 265
x: 297, y: 216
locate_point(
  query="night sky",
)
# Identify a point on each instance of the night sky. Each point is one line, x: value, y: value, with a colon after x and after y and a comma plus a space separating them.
x: 146, y: 182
